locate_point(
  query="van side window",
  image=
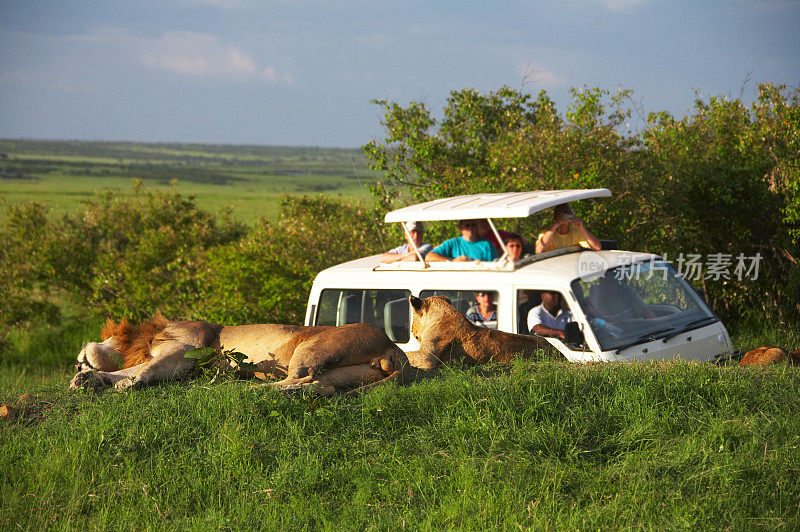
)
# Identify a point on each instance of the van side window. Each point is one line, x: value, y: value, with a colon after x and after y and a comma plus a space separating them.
x: 468, y: 302
x: 528, y: 300
x: 388, y: 310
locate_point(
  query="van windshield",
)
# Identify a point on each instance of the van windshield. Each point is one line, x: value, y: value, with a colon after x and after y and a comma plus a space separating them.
x: 639, y: 301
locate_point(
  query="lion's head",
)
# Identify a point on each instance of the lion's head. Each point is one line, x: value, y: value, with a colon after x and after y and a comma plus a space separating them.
x: 435, y: 318
x: 124, y: 345
x: 428, y: 311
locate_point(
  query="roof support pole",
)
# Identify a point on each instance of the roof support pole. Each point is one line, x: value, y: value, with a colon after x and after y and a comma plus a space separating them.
x: 500, y: 240
x: 413, y: 245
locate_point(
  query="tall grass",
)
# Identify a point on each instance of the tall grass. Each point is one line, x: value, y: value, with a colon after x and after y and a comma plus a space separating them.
x: 669, y: 445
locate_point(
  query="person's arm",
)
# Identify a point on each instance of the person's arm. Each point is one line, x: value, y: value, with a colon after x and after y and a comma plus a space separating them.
x: 594, y: 243
x: 441, y: 252
x: 541, y: 329
x: 638, y: 306
x: 545, y: 240
x: 535, y: 323
x: 435, y: 257
x: 390, y: 257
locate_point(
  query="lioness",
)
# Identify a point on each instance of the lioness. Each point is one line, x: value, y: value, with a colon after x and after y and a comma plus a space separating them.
x: 323, y: 357
x: 444, y: 334
x: 762, y: 356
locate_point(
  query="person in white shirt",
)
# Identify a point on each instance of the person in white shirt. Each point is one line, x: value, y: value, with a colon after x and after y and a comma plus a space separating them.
x: 549, y: 318
x: 406, y: 251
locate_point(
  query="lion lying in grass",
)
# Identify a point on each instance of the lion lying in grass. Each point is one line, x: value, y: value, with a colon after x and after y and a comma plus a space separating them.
x: 762, y: 356
x: 326, y: 358
x: 445, y: 334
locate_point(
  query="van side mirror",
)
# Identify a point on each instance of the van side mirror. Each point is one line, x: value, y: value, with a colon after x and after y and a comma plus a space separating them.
x: 573, y: 334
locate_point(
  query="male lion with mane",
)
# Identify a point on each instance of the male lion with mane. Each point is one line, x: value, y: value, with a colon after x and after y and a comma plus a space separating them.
x: 323, y: 357
x: 444, y: 334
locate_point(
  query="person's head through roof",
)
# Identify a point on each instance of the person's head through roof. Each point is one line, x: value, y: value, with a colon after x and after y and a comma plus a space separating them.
x: 469, y: 230
x: 483, y: 229
x: 563, y: 213
x: 514, y: 247
x: 417, y: 232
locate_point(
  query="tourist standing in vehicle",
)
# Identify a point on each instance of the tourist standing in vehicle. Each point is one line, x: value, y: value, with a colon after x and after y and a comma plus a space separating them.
x: 484, y: 313
x: 485, y: 232
x: 514, y: 245
x: 406, y: 251
x: 466, y: 247
x: 549, y: 318
x: 567, y: 230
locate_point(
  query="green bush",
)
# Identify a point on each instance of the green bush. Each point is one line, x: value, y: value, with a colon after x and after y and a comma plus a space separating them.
x: 23, y: 268
x: 157, y: 251
x: 723, y: 180
x: 266, y: 276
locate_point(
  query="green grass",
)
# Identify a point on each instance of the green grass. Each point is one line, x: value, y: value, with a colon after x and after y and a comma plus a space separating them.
x: 657, y: 446
x: 248, y: 179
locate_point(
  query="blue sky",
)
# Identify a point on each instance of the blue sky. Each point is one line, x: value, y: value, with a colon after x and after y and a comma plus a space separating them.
x: 302, y: 73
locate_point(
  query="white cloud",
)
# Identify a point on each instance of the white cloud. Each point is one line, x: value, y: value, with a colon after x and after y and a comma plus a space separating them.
x: 186, y: 53
x: 196, y: 54
x: 374, y: 39
x: 270, y: 74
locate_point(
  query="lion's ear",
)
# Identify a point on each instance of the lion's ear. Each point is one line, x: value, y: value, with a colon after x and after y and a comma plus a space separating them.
x: 415, y: 302
x: 448, y: 300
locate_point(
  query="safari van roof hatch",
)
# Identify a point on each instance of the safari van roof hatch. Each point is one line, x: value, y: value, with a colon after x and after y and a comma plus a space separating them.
x: 499, y: 205
x: 488, y: 206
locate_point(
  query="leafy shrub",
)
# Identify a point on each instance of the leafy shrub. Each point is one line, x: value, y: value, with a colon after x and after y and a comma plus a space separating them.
x: 723, y: 180
x: 267, y: 275
x: 157, y: 251
x: 22, y: 269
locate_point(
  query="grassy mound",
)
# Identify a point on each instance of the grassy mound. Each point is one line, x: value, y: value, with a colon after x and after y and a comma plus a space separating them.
x: 533, y: 445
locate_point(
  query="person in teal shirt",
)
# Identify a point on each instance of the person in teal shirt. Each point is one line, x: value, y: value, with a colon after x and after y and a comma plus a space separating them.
x: 466, y: 247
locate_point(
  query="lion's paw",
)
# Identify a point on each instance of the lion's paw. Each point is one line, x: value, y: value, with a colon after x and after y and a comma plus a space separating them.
x: 127, y: 384
x: 315, y: 388
x: 89, y: 379
x: 384, y: 364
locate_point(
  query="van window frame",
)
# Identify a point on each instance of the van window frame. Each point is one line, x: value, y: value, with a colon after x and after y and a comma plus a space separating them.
x: 380, y: 323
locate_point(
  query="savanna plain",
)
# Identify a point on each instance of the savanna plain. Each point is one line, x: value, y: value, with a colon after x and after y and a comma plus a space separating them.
x: 541, y: 445
x: 248, y: 180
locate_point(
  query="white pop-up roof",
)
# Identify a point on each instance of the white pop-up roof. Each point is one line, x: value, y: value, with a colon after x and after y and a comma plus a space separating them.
x: 501, y: 205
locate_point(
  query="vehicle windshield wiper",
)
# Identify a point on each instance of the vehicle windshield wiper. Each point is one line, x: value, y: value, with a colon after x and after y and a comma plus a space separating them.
x: 655, y: 334
x: 692, y: 324
x: 650, y: 335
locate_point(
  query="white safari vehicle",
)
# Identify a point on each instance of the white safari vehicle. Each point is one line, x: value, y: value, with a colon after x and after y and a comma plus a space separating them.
x: 625, y: 306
